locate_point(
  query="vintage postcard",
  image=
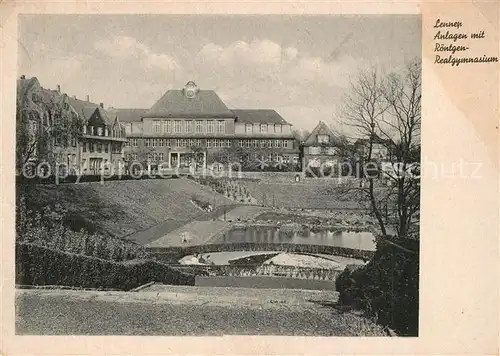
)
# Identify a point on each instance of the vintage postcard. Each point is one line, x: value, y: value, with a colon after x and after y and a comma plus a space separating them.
x: 277, y: 178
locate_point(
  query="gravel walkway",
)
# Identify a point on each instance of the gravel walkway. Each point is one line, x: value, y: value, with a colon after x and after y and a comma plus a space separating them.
x: 176, y: 310
x: 197, y: 232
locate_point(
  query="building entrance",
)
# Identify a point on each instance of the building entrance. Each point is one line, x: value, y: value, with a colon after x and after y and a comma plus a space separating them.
x: 184, y: 160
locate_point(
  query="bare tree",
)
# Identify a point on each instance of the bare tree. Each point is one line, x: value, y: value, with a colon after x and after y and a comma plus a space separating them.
x: 364, y: 107
x: 402, y: 93
x: 385, y: 111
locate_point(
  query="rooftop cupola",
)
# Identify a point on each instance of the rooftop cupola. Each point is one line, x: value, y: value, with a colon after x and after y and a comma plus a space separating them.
x: 190, y: 89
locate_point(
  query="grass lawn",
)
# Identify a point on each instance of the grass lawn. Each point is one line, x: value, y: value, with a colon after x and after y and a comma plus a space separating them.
x: 120, y: 208
x: 315, y: 196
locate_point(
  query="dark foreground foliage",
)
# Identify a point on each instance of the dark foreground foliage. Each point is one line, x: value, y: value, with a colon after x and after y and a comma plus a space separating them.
x: 37, y: 265
x: 49, y: 227
x: 387, y: 287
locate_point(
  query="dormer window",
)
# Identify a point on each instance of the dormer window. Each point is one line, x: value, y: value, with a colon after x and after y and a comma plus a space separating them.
x: 190, y: 89
x: 323, y: 139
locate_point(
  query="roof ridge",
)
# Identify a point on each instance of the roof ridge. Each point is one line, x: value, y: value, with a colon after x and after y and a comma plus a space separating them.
x: 316, y: 129
x: 174, y: 101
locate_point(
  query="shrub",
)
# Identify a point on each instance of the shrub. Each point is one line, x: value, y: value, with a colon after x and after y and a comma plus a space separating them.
x: 46, y: 228
x: 387, y: 287
x: 37, y: 265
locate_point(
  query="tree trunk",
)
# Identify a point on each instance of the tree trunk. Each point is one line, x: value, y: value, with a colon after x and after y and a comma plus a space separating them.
x: 375, y: 208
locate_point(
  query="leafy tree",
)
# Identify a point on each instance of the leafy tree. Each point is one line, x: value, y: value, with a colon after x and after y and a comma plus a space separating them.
x: 197, y: 154
x: 42, y: 121
x: 141, y: 160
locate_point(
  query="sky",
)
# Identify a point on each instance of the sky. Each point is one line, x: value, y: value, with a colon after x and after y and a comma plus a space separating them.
x: 301, y: 66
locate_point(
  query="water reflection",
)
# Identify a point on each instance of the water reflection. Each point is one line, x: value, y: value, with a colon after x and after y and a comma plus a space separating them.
x: 266, y: 234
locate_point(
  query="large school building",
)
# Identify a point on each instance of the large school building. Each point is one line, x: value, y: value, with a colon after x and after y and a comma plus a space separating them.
x: 193, y: 126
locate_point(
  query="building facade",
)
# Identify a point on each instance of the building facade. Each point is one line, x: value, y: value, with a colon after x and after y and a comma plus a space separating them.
x: 98, y: 146
x: 193, y: 128
x: 379, y: 148
x: 319, y: 148
x: 101, y: 146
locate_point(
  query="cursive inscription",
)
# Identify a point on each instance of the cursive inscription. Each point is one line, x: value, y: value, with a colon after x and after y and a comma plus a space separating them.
x: 451, y: 39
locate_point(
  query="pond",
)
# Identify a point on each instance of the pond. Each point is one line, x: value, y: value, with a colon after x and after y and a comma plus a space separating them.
x: 271, y: 234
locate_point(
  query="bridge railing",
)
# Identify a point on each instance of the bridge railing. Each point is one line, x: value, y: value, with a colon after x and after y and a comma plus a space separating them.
x: 264, y: 270
x: 175, y: 253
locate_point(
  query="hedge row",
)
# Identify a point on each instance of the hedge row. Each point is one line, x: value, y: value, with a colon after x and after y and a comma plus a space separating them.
x: 37, y: 265
x: 172, y: 254
x: 387, y: 287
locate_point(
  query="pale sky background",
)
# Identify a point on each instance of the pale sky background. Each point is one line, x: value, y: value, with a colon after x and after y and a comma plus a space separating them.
x: 298, y: 65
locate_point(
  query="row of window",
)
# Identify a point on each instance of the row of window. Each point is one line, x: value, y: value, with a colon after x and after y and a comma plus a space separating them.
x: 189, y: 126
x: 100, y: 131
x: 265, y: 143
x: 322, y: 150
x: 263, y: 128
x: 218, y: 143
x: 165, y: 142
x: 272, y: 157
x: 210, y: 143
x: 205, y: 126
x: 98, y: 147
x: 154, y: 156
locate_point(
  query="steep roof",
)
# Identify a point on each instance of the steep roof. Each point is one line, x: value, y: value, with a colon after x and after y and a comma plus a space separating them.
x: 320, y: 129
x: 83, y: 108
x: 127, y: 115
x: 206, y: 103
x: 86, y: 109
x: 376, y: 139
x: 259, y: 116
x: 47, y: 96
x: 23, y: 87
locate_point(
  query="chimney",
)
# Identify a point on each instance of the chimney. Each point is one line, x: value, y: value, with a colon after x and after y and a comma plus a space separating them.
x: 74, y: 97
x: 58, y: 88
x: 87, y: 97
x: 23, y: 76
x: 101, y: 105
